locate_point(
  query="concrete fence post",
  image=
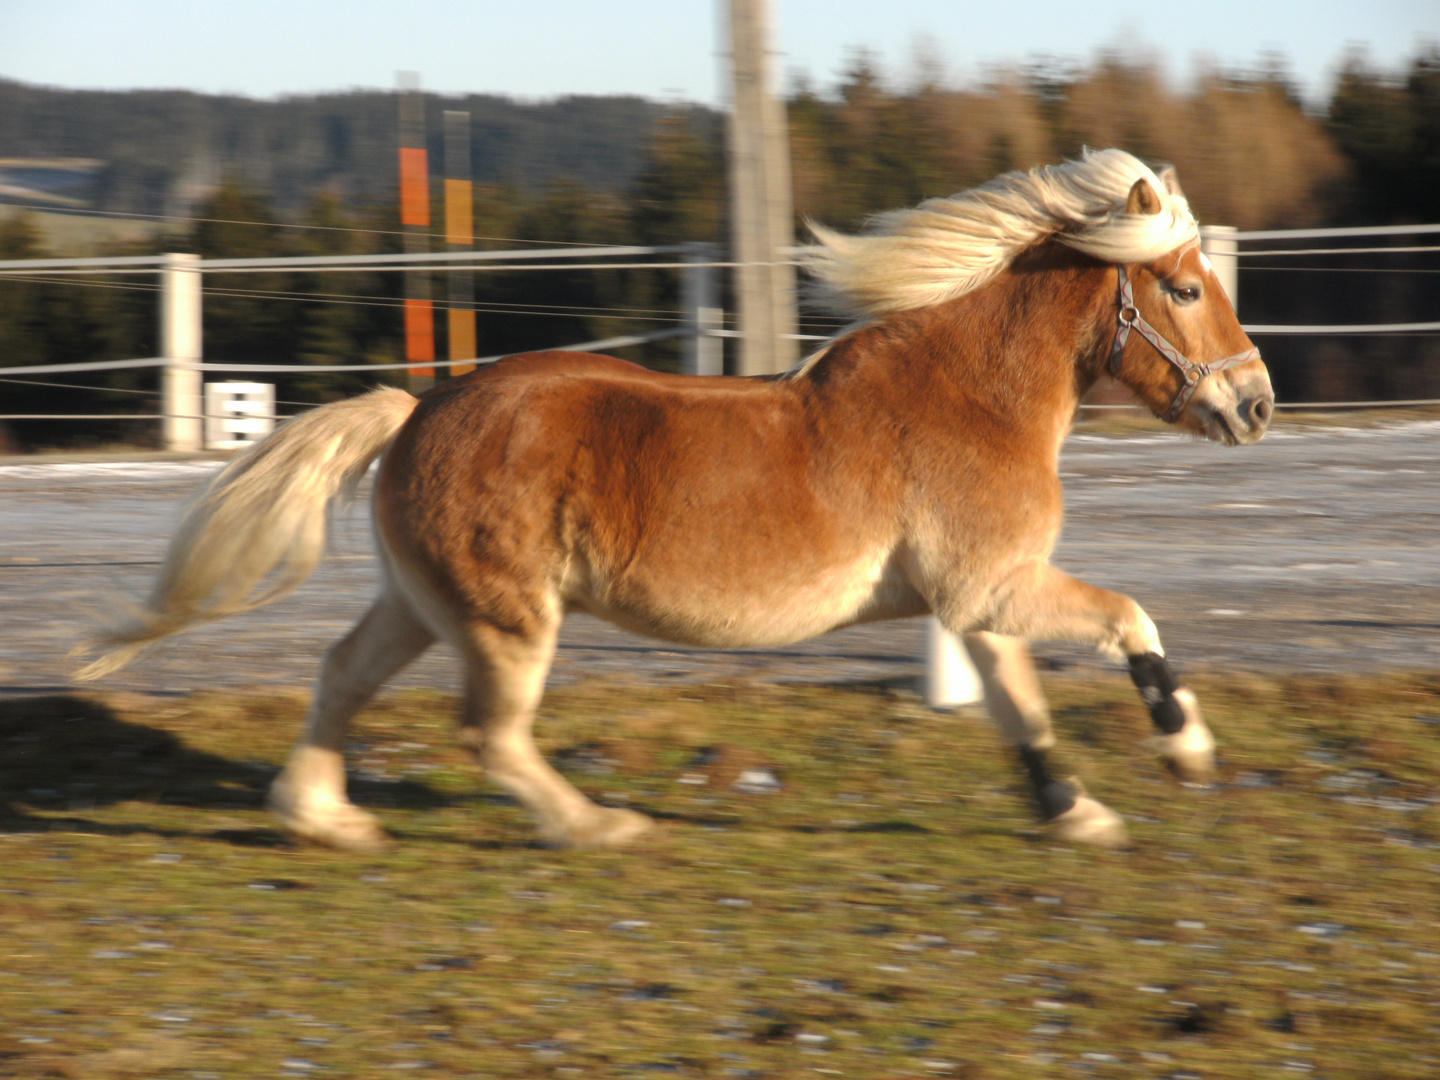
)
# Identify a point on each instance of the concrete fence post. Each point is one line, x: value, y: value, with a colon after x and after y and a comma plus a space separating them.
x: 1223, y: 250
x: 704, y: 350
x: 180, y: 345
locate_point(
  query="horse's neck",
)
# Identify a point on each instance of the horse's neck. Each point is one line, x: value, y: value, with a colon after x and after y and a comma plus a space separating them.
x: 1021, y: 351
x: 1007, y: 363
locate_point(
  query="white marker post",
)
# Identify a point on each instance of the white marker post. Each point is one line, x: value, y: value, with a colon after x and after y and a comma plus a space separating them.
x: 950, y: 678
x: 238, y: 414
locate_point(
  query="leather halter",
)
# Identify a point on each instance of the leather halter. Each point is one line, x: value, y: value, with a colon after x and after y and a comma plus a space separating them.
x: 1191, y: 373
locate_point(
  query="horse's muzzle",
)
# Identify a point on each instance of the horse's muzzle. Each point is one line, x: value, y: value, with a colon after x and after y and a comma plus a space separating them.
x: 1256, y: 412
x: 1254, y: 406
x: 1234, y: 407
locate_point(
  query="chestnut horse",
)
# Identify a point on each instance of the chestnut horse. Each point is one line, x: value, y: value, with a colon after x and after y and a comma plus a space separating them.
x: 910, y: 466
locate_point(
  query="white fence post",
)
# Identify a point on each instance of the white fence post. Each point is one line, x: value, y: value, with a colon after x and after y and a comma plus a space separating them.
x: 704, y: 351
x: 950, y: 677
x: 180, y: 345
x: 1220, y: 245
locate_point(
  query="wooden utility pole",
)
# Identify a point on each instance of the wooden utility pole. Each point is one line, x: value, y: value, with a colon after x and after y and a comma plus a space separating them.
x: 415, y: 220
x: 761, y: 202
x: 459, y: 235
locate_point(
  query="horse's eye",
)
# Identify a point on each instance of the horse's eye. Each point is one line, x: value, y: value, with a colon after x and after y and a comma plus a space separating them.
x: 1187, y: 295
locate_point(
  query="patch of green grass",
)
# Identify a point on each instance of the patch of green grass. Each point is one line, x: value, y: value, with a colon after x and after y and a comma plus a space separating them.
x: 893, y: 911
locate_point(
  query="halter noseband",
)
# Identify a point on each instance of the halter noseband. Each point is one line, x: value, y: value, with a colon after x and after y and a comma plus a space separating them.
x: 1191, y: 373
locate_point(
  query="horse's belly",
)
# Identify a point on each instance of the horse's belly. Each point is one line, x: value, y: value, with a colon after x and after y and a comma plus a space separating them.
x: 701, y: 609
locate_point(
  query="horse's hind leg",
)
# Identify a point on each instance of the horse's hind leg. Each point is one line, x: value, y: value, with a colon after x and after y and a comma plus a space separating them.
x: 1017, y: 705
x: 1045, y: 603
x: 309, y: 795
x: 503, y: 685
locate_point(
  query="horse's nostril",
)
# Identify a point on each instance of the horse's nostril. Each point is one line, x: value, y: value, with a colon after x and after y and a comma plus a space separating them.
x: 1260, y: 411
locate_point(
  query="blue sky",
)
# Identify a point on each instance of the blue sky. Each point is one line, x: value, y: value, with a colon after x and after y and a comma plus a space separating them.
x: 664, y: 49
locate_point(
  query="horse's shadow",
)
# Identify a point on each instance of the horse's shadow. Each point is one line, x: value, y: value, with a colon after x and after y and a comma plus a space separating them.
x: 62, y: 755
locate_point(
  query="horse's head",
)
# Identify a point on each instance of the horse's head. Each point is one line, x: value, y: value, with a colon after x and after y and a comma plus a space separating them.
x: 1179, y: 346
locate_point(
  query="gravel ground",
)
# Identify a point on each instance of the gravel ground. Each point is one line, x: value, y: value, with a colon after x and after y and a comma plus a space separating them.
x: 1314, y: 551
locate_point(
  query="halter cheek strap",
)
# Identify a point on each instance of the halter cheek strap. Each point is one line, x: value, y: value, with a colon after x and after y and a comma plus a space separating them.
x: 1191, y: 373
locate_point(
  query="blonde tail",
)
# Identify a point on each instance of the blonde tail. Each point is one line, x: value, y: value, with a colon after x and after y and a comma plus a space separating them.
x: 264, y: 514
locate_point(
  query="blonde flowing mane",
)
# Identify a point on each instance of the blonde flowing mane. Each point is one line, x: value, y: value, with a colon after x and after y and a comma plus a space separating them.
x: 944, y: 248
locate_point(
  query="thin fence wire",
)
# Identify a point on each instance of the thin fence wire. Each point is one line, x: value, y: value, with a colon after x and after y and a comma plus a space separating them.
x: 477, y: 268
x: 1262, y: 252
x: 127, y: 390
x: 578, y: 311
x: 363, y: 300
x: 452, y: 266
x: 1348, y: 269
x: 76, y: 386
x: 89, y: 365
x: 64, y: 275
x: 1296, y: 405
x: 1324, y: 234
x: 1344, y: 330
x: 310, y: 404
x: 392, y: 260
x: 119, y: 215
x: 89, y: 416
x: 1272, y: 234
x: 1414, y: 403
x: 620, y: 342
x: 298, y: 369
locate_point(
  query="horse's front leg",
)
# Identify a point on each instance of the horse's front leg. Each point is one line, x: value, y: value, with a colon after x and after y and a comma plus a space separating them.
x: 1017, y: 705
x: 1043, y: 603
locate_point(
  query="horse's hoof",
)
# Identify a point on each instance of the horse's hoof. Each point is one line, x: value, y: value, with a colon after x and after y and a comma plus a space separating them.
x: 607, y: 827
x: 1189, y: 752
x: 337, y: 825
x: 1091, y: 822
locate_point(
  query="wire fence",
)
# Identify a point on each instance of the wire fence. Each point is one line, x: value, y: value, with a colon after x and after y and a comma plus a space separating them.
x: 81, y: 272
x: 284, y: 226
x: 414, y: 365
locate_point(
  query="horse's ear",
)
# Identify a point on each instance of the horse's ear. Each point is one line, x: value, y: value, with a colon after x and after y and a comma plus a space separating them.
x: 1143, y: 199
x: 1170, y: 178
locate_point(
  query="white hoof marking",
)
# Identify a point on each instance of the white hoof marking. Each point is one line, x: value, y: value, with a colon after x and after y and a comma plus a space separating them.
x: 1190, y: 752
x: 1091, y: 822
x: 309, y: 799
x: 608, y: 828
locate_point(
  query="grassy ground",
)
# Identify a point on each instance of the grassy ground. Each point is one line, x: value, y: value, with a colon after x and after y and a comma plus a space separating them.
x: 892, y: 911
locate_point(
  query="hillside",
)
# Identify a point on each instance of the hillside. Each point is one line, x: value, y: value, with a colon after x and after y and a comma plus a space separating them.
x: 163, y: 151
